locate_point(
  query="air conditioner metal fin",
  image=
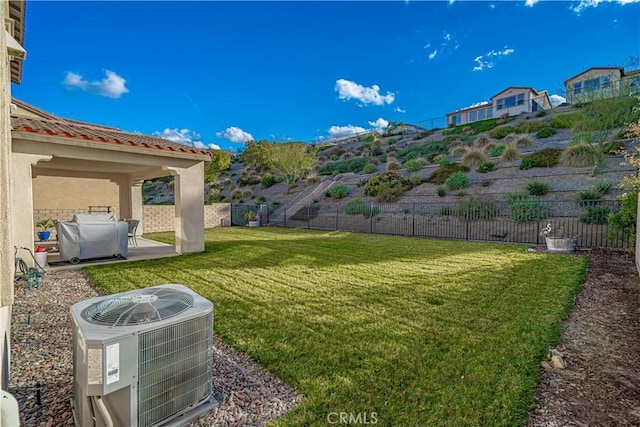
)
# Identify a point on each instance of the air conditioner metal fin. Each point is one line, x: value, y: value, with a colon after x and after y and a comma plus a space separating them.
x: 137, y: 307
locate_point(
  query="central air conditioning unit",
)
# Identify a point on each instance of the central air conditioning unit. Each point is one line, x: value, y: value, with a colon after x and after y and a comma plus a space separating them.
x: 142, y: 358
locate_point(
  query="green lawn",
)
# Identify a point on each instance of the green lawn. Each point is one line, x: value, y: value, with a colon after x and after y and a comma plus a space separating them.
x: 421, y: 332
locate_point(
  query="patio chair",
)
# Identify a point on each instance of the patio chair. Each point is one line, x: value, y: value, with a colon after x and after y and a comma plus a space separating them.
x: 133, y: 227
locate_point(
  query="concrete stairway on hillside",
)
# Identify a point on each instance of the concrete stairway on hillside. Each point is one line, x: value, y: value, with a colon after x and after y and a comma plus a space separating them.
x: 303, y: 198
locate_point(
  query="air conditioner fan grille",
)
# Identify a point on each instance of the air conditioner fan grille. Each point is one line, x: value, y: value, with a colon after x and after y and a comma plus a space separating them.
x: 138, y: 307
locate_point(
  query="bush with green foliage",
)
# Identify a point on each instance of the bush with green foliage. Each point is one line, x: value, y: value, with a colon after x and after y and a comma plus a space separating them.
x: 393, y: 164
x: 537, y: 187
x: 441, y: 191
x: 472, y: 128
x: 457, y: 181
x: 596, y: 214
x: 391, y: 141
x: 412, y: 165
x: 442, y: 160
x: 595, y: 193
x: 428, y: 151
x: 268, y: 180
x: 486, y: 167
x: 338, y: 191
x: 530, y: 127
x: 369, y: 168
x: 622, y: 224
x: 470, y: 208
x: 440, y: 175
x: 523, y: 208
x: 545, y: 133
x: 352, y: 165
x: 387, y: 187
x: 360, y: 207
x: 496, y: 151
x: 545, y: 158
x: 502, y: 131
x: 565, y: 121
x: 415, y: 180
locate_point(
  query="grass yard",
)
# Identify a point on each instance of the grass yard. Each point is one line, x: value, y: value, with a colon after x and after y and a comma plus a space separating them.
x: 421, y: 332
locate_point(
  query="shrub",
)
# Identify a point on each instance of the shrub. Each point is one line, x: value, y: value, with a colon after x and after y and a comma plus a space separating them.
x: 393, y: 164
x: 458, y: 181
x: 472, y: 128
x: 545, y: 158
x: 391, y: 141
x: 428, y: 151
x: 565, y: 121
x: 458, y: 149
x: 261, y: 199
x: 359, y: 207
x: 413, y: 165
x: 537, y: 187
x: 622, y: 224
x: 352, y: 165
x: 545, y: 133
x: 497, y: 150
x: 247, y: 194
x: 333, y: 157
x: 486, y: 167
x: 530, y: 127
x: 470, y: 208
x: 486, y: 183
x: 510, y: 153
x: 596, y: 215
x: 523, y: 208
x: 249, y: 179
x: 578, y: 155
x: 442, y: 160
x: 582, y: 137
x: 338, y: 191
x: 502, y: 131
x: 440, y: 176
x: 313, y: 179
x: 481, y: 141
x: 369, y: 168
x: 387, y: 187
x: 473, y: 158
x: 415, y: 180
x: 441, y: 191
x: 268, y: 180
x: 525, y: 141
x: 596, y: 192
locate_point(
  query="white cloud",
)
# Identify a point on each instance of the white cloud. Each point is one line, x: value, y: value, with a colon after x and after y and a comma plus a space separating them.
x: 594, y: 3
x: 505, y: 52
x: 482, y: 63
x: 379, y: 124
x: 447, y: 36
x: 399, y: 110
x: 112, y: 86
x: 367, y: 95
x: 433, y: 54
x: 235, y: 134
x: 557, y: 100
x: 185, y: 136
x: 338, y: 131
x: 530, y: 3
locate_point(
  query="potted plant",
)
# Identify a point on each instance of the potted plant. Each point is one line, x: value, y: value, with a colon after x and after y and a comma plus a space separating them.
x: 252, y: 218
x: 557, y: 242
x: 46, y: 225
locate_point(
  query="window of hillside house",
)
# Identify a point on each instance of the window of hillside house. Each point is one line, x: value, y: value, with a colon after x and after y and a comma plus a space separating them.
x: 510, y: 101
x: 520, y: 99
x: 500, y: 104
x: 455, y: 119
x: 473, y: 116
x: 606, y: 81
x: 481, y: 114
x: 593, y: 84
x: 489, y: 112
x: 577, y: 88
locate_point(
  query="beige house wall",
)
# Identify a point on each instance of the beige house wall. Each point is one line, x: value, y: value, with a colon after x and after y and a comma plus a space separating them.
x: 73, y: 193
x: 614, y: 74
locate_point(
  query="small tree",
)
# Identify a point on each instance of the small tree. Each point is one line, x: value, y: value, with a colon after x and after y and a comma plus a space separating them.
x: 293, y: 160
x: 220, y: 162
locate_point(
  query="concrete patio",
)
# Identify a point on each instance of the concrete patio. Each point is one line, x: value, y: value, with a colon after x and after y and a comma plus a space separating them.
x: 146, y: 249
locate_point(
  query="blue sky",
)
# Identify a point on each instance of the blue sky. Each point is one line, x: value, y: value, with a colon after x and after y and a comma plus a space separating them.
x: 214, y: 74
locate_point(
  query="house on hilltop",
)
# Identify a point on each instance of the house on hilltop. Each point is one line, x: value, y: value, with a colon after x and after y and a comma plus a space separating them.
x: 513, y: 100
x: 601, y: 83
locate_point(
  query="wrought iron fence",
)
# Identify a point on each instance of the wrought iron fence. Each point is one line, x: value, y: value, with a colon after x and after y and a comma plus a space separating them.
x: 520, y: 221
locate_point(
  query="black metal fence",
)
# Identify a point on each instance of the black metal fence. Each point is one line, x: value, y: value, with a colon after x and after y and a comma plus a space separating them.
x: 520, y: 221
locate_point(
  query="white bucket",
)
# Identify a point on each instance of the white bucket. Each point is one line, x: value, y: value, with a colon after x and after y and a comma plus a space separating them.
x: 41, y: 258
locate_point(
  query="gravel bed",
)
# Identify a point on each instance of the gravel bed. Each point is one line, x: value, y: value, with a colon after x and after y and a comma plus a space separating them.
x: 41, y: 357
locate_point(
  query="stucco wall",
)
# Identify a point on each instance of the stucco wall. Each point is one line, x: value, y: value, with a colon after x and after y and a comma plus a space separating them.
x: 155, y: 218
x: 73, y: 193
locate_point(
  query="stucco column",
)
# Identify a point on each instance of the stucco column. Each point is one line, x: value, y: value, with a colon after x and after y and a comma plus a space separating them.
x: 130, y: 199
x: 22, y: 198
x: 189, y: 202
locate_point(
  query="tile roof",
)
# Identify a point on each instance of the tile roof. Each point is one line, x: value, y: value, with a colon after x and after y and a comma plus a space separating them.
x: 56, y: 126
